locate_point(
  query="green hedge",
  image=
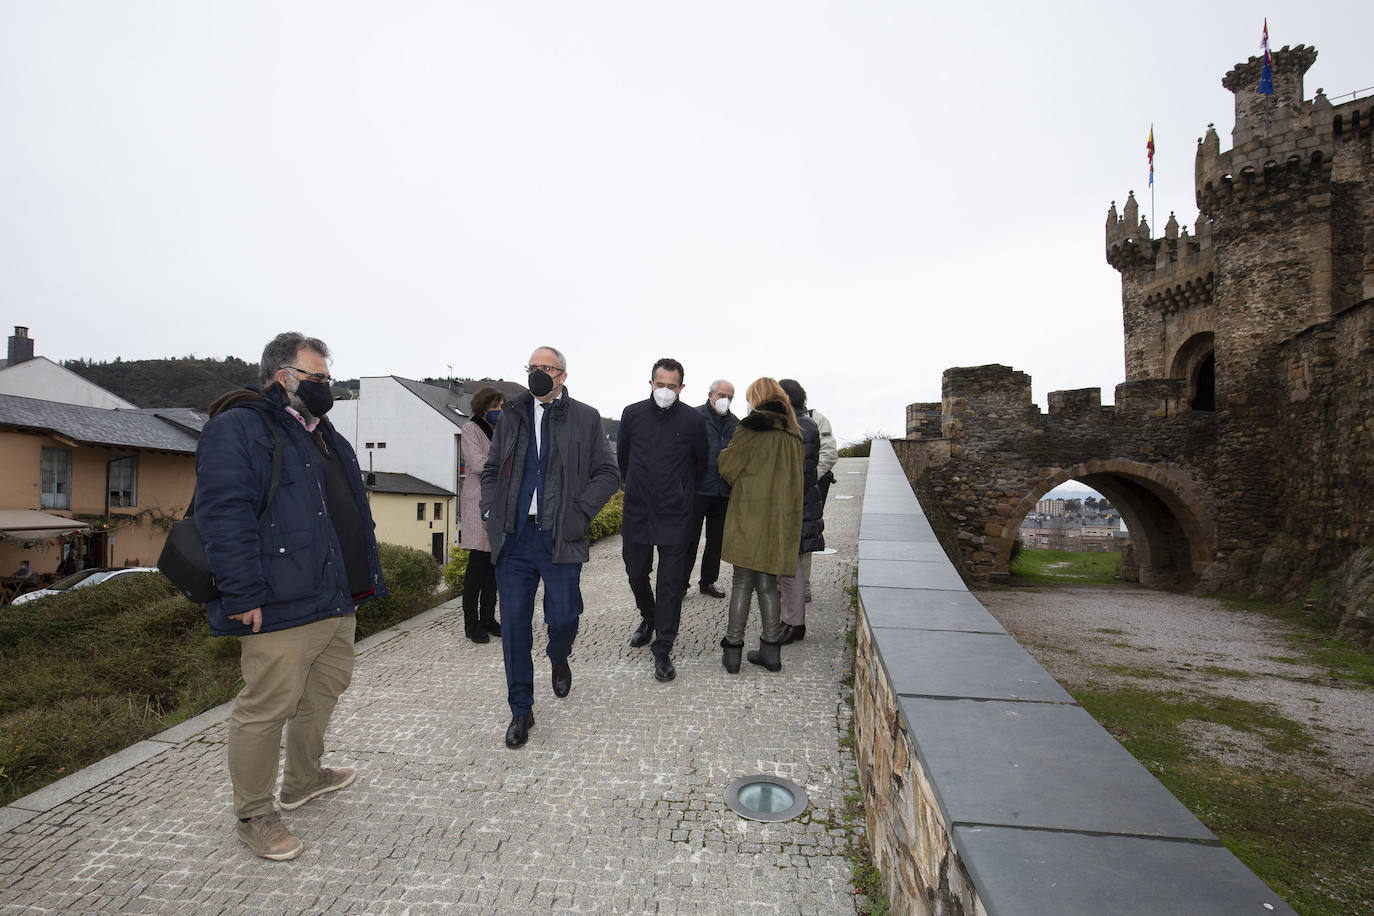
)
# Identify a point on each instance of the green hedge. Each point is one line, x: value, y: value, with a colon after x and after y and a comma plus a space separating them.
x: 88, y: 673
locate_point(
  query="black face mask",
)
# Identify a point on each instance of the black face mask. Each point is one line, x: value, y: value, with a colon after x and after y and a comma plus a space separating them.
x: 316, y: 396
x: 541, y: 383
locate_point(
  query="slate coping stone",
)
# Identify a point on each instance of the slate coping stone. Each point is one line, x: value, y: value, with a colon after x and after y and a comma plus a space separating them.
x: 926, y: 609
x: 906, y: 527
x: 1034, y: 872
x: 1039, y: 765
x: 939, y: 663
x: 920, y: 551
x: 892, y: 505
x: 910, y: 574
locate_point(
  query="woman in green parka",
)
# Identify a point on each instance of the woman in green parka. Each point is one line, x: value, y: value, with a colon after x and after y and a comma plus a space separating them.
x: 763, y: 466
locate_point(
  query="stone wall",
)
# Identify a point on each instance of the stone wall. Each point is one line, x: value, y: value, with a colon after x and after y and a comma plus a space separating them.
x: 987, y: 789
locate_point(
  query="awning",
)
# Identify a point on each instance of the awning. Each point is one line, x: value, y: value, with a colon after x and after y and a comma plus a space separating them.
x: 26, y: 523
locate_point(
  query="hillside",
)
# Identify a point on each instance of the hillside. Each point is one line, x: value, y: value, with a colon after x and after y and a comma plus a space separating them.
x: 185, y: 382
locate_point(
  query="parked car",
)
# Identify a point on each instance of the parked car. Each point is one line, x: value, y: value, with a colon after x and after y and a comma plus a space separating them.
x: 81, y: 579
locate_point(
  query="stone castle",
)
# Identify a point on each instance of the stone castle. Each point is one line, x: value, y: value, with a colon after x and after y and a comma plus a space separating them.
x: 1240, y: 448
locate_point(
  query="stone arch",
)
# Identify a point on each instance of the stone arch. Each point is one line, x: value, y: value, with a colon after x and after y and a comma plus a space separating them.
x: 1171, y: 529
x: 1195, y: 362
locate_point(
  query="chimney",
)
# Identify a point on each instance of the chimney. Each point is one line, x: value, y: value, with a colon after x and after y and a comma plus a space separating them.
x: 21, y: 346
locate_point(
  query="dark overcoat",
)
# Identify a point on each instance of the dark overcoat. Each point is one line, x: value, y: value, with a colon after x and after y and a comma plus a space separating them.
x: 661, y: 453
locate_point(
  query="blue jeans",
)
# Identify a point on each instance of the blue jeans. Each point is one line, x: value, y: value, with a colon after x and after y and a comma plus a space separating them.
x: 527, y: 557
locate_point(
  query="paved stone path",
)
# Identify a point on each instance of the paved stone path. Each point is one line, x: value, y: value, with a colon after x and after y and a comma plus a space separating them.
x: 616, y: 805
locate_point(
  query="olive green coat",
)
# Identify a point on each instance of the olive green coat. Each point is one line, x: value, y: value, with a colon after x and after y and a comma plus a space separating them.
x: 763, y: 466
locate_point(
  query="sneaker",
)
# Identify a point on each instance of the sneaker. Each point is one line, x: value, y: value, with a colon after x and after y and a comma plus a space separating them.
x: 268, y: 837
x: 330, y: 781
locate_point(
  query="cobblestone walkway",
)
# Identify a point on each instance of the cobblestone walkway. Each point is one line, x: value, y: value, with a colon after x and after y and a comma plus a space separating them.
x: 616, y: 805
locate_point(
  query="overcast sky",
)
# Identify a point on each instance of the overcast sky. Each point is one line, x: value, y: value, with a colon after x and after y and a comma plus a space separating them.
x: 855, y: 194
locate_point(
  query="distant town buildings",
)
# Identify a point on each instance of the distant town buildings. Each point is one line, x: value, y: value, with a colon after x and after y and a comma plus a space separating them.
x: 1059, y: 524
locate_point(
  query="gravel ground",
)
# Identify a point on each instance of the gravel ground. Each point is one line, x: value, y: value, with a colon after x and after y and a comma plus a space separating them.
x: 1114, y: 635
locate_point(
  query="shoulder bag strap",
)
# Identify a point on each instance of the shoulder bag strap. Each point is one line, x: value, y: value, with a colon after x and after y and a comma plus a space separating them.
x: 276, y: 470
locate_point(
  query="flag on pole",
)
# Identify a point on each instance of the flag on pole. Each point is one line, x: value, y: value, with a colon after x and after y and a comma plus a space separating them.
x: 1150, y: 154
x: 1266, y: 84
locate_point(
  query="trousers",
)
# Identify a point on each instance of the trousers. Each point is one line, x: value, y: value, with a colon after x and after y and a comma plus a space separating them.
x: 663, y: 604
x: 708, y: 512
x: 291, y: 678
x: 526, y: 560
x: 479, y: 591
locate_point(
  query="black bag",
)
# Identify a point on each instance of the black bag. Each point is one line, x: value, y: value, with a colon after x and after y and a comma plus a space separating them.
x: 183, y: 559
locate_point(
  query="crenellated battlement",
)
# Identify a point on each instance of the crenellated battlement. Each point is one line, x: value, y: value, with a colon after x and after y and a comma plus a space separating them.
x: 1176, y: 271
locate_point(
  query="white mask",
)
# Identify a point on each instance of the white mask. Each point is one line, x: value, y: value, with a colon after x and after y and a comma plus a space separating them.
x: 722, y: 406
x: 664, y: 397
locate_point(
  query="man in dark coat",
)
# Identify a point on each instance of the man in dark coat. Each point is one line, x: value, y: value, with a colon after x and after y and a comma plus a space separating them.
x: 662, y: 451
x: 548, y: 473
x: 289, y: 585
x: 712, y: 494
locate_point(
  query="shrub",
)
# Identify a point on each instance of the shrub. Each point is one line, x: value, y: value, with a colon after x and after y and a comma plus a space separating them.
x: 607, y: 521
x: 90, y: 672
x: 412, y: 577
x: 857, y: 449
x: 456, y: 569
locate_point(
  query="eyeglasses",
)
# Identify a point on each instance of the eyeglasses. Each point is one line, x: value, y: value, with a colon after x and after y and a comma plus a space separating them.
x: 311, y: 376
x: 547, y: 370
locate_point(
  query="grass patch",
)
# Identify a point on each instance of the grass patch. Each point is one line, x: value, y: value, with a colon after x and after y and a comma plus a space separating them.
x: 88, y: 673
x: 1302, y: 840
x: 1067, y: 567
x: 1314, y: 637
x: 1112, y: 631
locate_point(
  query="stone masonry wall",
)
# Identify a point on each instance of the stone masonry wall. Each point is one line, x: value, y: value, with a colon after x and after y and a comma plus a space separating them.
x: 907, y: 836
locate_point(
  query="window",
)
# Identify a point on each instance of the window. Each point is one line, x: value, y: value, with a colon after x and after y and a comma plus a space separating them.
x: 419, y: 512
x: 369, y: 445
x: 381, y: 445
x: 55, y: 478
x: 124, y: 481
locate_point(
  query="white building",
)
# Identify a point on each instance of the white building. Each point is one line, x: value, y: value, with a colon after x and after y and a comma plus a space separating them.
x: 27, y: 376
x: 401, y: 426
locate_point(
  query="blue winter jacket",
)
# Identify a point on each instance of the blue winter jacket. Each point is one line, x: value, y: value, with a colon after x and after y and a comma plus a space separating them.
x: 292, y: 566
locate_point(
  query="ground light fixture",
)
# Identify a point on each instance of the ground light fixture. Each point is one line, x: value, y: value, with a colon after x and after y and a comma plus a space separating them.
x: 766, y: 798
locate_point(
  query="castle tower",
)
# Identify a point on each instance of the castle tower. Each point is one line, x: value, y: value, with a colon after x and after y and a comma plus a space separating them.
x: 1280, y: 242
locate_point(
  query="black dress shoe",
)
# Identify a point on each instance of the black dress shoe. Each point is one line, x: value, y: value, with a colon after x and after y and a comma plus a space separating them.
x: 493, y: 627
x: 519, y: 731
x: 478, y: 636
x: 562, y: 678
x: 710, y: 588
x: 791, y: 634
x: 663, y: 668
x: 644, y: 635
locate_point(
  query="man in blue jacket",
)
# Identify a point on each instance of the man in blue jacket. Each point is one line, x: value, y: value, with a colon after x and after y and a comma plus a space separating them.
x: 548, y: 473
x: 289, y: 585
x: 661, y: 447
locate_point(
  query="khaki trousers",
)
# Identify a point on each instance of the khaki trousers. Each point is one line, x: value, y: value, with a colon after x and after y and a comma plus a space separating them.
x: 293, y: 678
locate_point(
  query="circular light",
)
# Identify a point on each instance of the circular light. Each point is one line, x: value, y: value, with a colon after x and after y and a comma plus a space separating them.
x: 765, y: 798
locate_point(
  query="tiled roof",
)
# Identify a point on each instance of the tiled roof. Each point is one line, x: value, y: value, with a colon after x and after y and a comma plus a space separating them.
x: 167, y: 430
x: 388, y: 482
x: 452, y: 404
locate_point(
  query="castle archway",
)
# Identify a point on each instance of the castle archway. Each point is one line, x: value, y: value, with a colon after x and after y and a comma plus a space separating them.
x: 1172, y: 537
x: 1195, y: 361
